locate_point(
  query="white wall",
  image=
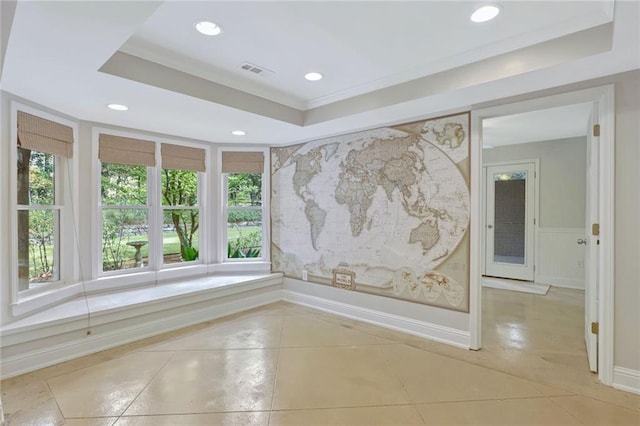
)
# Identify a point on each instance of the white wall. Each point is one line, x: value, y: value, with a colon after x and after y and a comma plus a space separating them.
x: 627, y: 229
x: 559, y: 260
x: 562, y: 177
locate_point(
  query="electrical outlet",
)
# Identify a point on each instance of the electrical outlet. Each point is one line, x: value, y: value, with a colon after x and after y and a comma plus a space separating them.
x: 304, y: 275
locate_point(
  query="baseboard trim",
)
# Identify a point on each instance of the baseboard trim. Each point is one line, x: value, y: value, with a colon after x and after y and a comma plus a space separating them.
x: 560, y: 282
x: 85, y: 345
x: 626, y: 379
x: 426, y: 330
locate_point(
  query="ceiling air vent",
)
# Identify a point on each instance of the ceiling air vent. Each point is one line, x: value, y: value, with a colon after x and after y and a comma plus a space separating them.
x: 255, y: 69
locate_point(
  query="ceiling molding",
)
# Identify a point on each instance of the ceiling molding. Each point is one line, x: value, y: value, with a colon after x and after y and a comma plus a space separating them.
x: 542, y: 55
x: 147, y: 72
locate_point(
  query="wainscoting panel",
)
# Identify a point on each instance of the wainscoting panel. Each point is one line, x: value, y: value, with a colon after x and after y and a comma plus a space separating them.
x: 560, y: 259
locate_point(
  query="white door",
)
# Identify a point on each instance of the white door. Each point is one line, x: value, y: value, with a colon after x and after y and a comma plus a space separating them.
x: 510, y: 221
x: 591, y: 243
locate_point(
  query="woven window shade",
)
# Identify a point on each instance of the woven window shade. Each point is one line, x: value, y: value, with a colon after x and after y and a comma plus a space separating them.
x: 130, y: 151
x: 39, y: 134
x: 183, y: 158
x: 242, y: 162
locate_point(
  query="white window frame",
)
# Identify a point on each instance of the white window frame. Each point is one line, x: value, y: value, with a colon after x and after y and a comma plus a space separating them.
x: 66, y: 190
x: 155, y: 270
x: 147, y: 207
x: 262, y: 263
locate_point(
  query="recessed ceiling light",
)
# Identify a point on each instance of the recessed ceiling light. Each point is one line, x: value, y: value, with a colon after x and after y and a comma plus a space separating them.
x: 239, y: 133
x: 117, y: 107
x: 208, y: 28
x: 485, y: 13
x: 313, y: 76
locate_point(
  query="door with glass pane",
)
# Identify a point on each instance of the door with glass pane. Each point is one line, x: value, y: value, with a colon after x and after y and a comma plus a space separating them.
x: 510, y: 221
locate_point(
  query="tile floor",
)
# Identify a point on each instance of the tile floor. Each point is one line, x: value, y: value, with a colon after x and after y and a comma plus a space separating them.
x: 288, y: 365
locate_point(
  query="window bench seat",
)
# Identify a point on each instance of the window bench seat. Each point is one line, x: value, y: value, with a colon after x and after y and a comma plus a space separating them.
x: 65, y: 331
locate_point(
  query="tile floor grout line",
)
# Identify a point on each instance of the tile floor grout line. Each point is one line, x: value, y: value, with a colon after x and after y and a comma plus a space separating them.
x: 491, y: 368
x: 404, y: 388
x: 178, y: 413
x: 275, y: 347
x: 53, y: 396
x: 502, y: 398
x: 565, y: 410
x: 275, y: 373
x: 340, y: 407
x: 146, y: 385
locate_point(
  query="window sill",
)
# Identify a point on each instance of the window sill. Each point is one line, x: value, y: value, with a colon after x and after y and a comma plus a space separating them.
x: 53, y: 297
x: 104, y: 307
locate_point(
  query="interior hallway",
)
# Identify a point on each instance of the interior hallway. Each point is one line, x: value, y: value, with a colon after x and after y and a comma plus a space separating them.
x: 288, y: 365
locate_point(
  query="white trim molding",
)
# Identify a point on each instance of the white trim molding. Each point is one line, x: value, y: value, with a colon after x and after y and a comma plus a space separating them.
x: 426, y: 330
x: 626, y: 379
x: 603, y: 96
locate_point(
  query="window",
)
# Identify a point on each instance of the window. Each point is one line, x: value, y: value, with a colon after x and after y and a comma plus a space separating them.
x: 124, y: 206
x: 243, y: 204
x: 179, y: 187
x: 125, y: 216
x: 42, y: 147
x: 150, y: 215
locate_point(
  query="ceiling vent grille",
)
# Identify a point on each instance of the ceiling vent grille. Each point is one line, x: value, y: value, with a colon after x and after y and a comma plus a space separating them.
x: 255, y: 69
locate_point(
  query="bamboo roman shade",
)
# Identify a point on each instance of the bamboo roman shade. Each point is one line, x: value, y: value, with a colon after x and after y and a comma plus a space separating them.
x: 130, y: 151
x: 183, y: 158
x: 242, y: 162
x: 40, y: 134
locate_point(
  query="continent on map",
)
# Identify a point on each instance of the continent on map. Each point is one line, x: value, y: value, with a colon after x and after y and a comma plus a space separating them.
x: 355, y: 190
x: 426, y: 234
x: 398, y: 174
x: 452, y: 134
x: 315, y: 216
x: 307, y: 166
x: 364, y: 169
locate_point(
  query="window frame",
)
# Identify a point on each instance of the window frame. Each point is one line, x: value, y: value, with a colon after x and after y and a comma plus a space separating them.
x: 200, y: 177
x: 65, y: 196
x: 155, y: 270
x: 101, y: 209
x: 239, y: 264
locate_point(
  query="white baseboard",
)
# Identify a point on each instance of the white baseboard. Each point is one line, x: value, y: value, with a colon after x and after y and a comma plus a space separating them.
x: 84, y: 345
x: 626, y: 379
x: 438, y: 333
x: 577, y: 284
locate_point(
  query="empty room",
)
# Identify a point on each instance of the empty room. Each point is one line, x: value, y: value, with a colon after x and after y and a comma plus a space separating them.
x: 319, y: 213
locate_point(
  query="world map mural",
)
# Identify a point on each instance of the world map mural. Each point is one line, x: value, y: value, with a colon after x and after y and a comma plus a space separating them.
x: 383, y: 211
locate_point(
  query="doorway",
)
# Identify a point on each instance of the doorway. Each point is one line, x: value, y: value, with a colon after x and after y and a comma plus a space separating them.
x: 509, y: 229
x: 602, y: 99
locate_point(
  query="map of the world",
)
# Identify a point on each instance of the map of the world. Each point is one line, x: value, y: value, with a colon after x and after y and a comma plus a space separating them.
x: 389, y: 207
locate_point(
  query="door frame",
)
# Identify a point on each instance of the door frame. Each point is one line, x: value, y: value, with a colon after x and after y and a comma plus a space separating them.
x: 536, y: 208
x: 605, y: 97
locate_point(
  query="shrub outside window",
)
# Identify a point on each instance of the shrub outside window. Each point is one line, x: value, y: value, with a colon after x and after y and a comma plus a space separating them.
x: 244, y: 215
x: 243, y: 207
x: 38, y: 219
